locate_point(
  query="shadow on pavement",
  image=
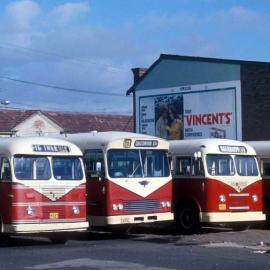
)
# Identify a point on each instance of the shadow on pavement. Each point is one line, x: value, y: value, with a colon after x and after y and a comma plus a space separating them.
x: 23, y: 241
x: 144, y: 233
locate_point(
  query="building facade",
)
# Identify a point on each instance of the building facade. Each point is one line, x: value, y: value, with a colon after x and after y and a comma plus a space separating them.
x: 182, y: 97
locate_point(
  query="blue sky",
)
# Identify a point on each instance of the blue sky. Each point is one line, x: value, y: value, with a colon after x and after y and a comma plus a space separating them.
x: 92, y: 45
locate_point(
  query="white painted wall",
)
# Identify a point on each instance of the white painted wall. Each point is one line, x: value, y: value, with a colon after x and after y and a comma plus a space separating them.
x: 37, y: 124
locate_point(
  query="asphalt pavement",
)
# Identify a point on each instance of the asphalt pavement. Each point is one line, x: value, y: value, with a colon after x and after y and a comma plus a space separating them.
x: 142, y: 248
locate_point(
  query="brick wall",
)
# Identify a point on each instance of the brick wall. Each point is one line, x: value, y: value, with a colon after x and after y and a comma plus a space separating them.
x: 255, y: 84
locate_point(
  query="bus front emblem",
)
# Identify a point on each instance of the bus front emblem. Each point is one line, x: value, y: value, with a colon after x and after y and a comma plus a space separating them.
x: 144, y: 183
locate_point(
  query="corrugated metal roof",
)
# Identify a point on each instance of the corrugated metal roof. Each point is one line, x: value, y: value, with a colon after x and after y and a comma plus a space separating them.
x: 71, y: 122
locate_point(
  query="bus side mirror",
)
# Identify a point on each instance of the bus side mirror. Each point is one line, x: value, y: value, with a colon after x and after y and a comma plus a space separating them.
x: 197, y: 155
x: 99, y: 170
x: 171, y: 164
x: 98, y: 167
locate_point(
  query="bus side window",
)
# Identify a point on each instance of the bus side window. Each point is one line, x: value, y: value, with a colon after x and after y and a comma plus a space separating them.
x: 197, y: 167
x: 91, y: 157
x: 265, y: 165
x: 183, y: 166
x: 5, y: 169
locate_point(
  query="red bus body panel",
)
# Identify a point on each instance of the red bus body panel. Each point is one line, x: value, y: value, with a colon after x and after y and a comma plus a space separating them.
x: 266, y: 196
x: 102, y: 194
x: 205, y: 193
x: 15, y: 198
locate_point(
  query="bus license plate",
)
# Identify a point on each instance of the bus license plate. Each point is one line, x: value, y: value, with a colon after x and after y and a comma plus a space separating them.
x: 54, y: 216
x: 222, y: 207
x: 125, y: 220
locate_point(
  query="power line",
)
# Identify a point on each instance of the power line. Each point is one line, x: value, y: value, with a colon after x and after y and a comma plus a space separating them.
x: 33, y: 106
x: 63, y: 88
x: 24, y: 106
x: 46, y: 108
x: 84, y: 61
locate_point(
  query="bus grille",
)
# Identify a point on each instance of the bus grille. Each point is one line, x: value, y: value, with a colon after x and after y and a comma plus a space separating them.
x: 141, y: 206
x: 239, y: 202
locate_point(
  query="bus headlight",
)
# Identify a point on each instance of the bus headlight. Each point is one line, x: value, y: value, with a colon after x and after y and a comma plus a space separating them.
x: 255, y: 198
x: 222, y: 198
x: 168, y: 204
x: 118, y: 206
x: 76, y: 210
x: 30, y: 211
x: 165, y: 204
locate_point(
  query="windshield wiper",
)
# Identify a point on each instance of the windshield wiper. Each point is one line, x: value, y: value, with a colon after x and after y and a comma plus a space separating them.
x: 139, y: 164
x: 131, y: 175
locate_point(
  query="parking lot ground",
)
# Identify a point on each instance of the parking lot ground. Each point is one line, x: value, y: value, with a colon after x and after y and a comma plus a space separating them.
x: 253, y: 239
x: 143, y: 248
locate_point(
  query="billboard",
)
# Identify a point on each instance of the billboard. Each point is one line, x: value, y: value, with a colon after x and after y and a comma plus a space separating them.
x: 191, y: 112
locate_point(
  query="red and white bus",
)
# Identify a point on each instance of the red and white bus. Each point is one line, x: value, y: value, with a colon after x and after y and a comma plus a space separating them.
x: 262, y: 149
x: 128, y: 178
x: 215, y: 181
x: 42, y: 187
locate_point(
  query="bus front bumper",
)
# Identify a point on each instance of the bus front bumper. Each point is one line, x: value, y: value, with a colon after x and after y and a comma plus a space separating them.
x: 101, y: 221
x: 46, y: 227
x: 209, y: 217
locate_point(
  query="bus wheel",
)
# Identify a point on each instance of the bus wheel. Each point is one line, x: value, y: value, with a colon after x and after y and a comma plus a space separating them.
x: 4, y: 237
x: 4, y: 240
x: 58, y: 239
x: 240, y: 227
x: 187, y: 219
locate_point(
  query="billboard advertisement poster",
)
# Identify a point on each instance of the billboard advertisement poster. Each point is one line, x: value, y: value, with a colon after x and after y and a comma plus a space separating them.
x: 208, y: 113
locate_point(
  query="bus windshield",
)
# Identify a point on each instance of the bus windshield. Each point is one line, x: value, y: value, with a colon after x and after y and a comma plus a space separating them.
x: 224, y: 165
x: 67, y: 168
x: 220, y: 165
x: 246, y: 166
x: 32, y: 168
x: 135, y: 163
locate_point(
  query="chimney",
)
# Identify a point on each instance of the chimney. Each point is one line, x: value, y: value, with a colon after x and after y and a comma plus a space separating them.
x: 138, y: 73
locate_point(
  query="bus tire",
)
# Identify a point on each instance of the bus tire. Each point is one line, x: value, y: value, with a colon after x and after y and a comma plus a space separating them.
x: 240, y: 227
x: 4, y: 237
x: 187, y: 219
x: 58, y: 239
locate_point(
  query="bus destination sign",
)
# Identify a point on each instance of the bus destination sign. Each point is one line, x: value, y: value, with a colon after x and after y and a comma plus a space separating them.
x: 50, y: 148
x: 146, y: 143
x: 232, y: 149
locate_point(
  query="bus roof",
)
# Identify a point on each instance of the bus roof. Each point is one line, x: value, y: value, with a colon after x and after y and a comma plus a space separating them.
x: 37, y: 146
x: 96, y: 140
x: 262, y: 148
x: 214, y: 146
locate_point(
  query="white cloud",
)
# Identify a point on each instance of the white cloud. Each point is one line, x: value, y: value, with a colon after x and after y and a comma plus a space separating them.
x: 154, y: 21
x: 22, y: 13
x: 244, y: 15
x: 55, y: 47
x: 240, y: 20
x: 195, y: 45
x: 63, y: 14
